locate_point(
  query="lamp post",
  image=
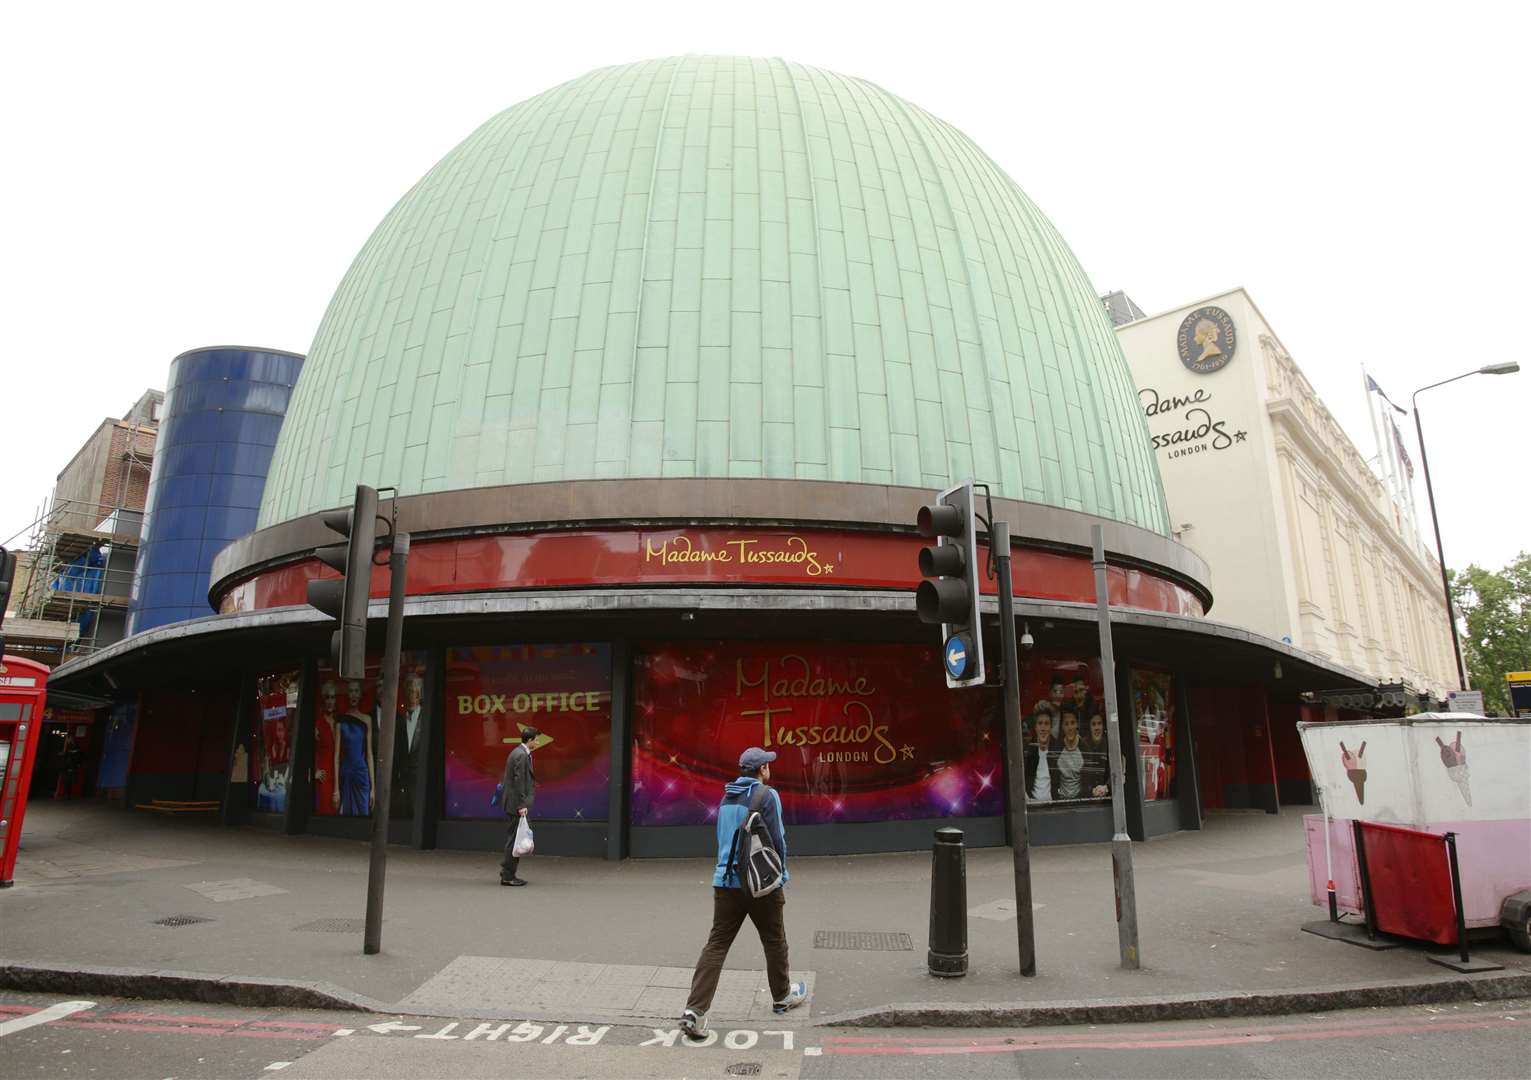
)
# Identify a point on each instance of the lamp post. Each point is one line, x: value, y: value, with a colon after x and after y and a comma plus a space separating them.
x: 1507, y: 368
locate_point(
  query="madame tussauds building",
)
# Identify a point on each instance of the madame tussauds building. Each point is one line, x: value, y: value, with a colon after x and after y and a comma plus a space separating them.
x: 662, y: 363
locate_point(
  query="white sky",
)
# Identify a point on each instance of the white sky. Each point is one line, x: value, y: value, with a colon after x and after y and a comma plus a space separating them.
x: 180, y: 175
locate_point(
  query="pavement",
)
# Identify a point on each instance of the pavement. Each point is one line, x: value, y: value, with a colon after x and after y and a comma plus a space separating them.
x: 262, y: 918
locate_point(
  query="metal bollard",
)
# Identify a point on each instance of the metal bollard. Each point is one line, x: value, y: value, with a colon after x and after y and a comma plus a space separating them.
x: 948, y: 956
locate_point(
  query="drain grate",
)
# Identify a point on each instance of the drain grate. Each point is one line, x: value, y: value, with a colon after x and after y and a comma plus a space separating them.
x: 871, y: 940
x: 334, y: 926
x: 744, y: 1068
x: 181, y: 920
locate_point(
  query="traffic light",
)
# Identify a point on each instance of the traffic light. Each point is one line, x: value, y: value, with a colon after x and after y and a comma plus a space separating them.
x: 345, y: 599
x: 949, y: 595
x: 7, y: 579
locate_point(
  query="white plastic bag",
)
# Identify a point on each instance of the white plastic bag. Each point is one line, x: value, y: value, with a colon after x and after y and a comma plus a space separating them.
x: 523, y: 845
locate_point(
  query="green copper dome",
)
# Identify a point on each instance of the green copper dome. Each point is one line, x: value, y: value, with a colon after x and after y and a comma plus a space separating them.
x: 717, y: 267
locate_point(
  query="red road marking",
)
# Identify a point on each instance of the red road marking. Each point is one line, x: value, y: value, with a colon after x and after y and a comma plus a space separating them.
x: 163, y: 1019
x: 166, y: 1024
x: 294, y: 1036
x: 296, y: 1025
x: 1023, y: 1045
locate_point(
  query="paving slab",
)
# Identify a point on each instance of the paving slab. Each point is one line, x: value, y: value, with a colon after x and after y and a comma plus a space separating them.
x: 498, y: 986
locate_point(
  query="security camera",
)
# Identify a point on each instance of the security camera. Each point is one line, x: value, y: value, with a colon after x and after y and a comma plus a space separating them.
x: 1026, y: 639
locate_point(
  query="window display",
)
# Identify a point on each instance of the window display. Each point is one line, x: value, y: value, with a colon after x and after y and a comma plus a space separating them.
x: 1153, y: 709
x: 276, y: 714
x: 347, y: 718
x: 564, y: 691
x: 863, y: 732
x: 1063, y: 710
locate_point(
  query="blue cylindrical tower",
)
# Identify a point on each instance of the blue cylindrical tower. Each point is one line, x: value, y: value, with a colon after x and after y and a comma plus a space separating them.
x: 223, y: 410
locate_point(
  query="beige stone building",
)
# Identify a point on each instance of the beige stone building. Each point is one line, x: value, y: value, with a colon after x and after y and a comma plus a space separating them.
x: 1305, y: 541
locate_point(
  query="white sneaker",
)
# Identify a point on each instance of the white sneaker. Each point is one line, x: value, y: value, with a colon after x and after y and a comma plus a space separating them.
x: 693, y: 1026
x: 796, y: 995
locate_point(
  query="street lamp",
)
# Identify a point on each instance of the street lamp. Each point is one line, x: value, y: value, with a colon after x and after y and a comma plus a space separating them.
x: 1509, y: 367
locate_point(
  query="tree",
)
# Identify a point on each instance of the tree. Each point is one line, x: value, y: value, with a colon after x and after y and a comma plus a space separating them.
x: 1496, y: 609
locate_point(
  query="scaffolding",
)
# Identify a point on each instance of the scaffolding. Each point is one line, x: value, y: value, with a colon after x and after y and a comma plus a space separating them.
x: 82, y: 556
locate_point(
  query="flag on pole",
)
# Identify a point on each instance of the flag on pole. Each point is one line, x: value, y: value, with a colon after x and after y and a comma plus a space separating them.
x: 1403, y: 455
x: 1371, y: 386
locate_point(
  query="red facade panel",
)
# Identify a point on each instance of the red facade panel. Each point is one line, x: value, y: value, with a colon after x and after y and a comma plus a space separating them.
x: 618, y: 557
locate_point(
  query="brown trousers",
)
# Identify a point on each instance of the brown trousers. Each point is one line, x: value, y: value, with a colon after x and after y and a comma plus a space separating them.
x: 729, y: 908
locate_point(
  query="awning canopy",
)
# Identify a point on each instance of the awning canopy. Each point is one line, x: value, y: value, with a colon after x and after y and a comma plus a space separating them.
x: 211, y: 650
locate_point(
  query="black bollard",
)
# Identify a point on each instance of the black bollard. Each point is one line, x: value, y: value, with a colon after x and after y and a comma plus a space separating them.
x: 948, y: 957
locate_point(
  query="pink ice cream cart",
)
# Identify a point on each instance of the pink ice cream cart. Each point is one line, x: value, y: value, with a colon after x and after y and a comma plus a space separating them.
x: 1434, y: 773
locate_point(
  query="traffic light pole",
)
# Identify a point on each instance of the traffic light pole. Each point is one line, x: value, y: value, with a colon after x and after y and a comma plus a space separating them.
x: 383, y: 787
x: 1121, y: 843
x: 1015, y: 762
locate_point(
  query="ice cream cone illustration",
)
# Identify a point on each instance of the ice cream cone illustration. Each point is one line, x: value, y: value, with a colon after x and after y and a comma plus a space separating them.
x: 1458, y: 774
x: 1355, y: 768
x: 1358, y: 780
x: 1455, y: 760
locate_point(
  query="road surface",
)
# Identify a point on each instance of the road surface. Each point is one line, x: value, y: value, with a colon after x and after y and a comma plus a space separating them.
x: 51, y: 1036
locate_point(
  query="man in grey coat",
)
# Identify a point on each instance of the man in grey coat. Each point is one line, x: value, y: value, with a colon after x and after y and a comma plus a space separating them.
x: 520, y: 785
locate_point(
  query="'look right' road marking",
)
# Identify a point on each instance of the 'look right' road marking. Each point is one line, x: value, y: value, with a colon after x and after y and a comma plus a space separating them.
x: 44, y: 1016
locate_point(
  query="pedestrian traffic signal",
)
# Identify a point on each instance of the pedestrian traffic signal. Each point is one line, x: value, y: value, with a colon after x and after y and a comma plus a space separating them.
x: 949, y: 593
x: 7, y: 579
x: 345, y: 599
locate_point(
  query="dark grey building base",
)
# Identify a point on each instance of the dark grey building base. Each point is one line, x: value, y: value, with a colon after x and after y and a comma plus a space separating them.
x: 1295, y: 792
x: 1251, y: 797
x: 858, y: 838
x: 180, y: 787
x: 1161, y: 816
x: 1089, y: 823
x: 1086, y: 824
x: 356, y: 828
x: 579, y: 838
x: 1051, y: 825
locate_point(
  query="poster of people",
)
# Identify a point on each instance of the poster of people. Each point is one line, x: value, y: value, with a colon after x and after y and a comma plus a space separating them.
x: 863, y: 732
x: 276, y: 711
x: 1153, y: 711
x: 1063, y: 709
x: 347, y: 724
x: 494, y: 693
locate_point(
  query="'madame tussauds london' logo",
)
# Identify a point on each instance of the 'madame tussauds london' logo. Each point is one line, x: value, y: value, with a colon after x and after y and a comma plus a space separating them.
x: 1206, y: 340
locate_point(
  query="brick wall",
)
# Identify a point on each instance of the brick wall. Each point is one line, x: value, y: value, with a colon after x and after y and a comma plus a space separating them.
x: 125, y: 482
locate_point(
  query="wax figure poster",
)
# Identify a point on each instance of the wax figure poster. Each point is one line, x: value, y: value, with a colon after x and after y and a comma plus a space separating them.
x: 1064, y: 714
x: 862, y: 732
x: 347, y: 729
x: 276, y: 714
x: 1153, y: 710
x: 564, y: 691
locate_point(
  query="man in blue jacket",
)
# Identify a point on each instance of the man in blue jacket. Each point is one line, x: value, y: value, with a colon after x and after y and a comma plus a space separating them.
x: 730, y: 903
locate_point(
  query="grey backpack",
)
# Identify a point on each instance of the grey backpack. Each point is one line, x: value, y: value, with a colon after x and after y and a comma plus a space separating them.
x: 760, y: 867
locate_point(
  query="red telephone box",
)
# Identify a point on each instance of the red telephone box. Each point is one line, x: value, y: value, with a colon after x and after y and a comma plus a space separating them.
x: 23, y: 693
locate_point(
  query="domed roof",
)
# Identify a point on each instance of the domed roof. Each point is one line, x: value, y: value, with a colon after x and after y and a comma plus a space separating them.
x: 717, y: 267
